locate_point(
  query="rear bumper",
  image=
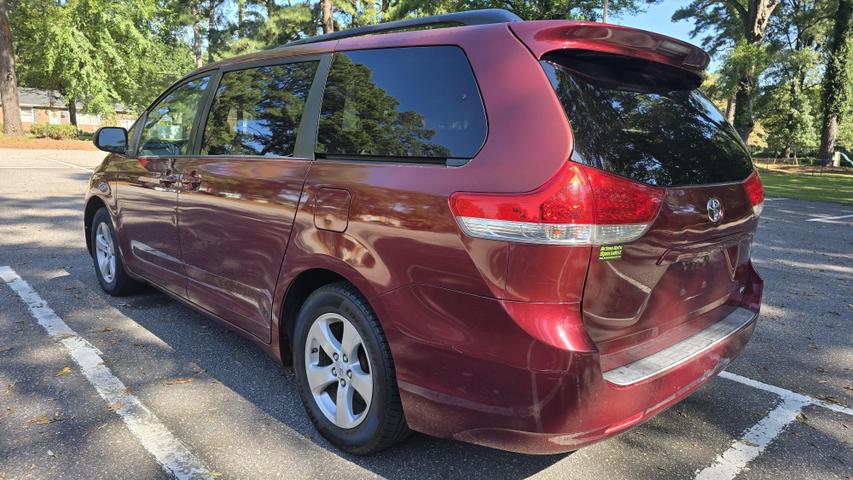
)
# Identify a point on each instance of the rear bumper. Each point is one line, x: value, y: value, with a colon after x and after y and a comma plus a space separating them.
x: 613, y: 408
x: 469, y: 370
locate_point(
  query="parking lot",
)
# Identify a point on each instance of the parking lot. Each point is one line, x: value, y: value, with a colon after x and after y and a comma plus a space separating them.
x: 203, y: 402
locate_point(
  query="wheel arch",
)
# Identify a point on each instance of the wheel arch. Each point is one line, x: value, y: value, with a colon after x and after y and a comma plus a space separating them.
x: 302, y: 285
x: 94, y: 204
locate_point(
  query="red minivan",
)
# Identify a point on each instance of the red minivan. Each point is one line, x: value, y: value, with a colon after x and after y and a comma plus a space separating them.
x: 525, y: 235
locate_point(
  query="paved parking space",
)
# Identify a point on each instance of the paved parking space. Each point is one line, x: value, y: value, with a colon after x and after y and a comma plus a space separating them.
x: 239, y: 415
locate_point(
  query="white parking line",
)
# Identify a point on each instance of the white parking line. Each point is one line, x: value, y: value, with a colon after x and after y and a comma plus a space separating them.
x: 784, y: 393
x: 66, y: 164
x: 731, y: 462
x: 828, y: 219
x: 167, y: 449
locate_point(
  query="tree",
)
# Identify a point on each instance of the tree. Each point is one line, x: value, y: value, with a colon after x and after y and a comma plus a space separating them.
x: 740, y: 26
x: 8, y: 79
x: 836, y: 80
x: 98, y: 52
x: 328, y: 24
x: 526, y: 9
x: 788, y: 104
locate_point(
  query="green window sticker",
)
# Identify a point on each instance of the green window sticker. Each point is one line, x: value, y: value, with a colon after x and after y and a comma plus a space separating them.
x: 610, y: 252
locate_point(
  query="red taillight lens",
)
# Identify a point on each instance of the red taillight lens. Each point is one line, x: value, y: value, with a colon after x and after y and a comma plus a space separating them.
x: 620, y: 201
x: 578, y: 206
x: 563, y: 199
x: 755, y: 192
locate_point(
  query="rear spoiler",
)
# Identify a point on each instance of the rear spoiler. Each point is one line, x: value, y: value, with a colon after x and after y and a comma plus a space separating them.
x: 544, y: 36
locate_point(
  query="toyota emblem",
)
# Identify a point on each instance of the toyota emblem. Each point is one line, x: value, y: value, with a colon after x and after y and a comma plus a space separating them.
x: 715, y: 209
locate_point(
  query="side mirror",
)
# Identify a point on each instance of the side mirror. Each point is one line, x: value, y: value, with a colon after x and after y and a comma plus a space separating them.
x: 111, y: 139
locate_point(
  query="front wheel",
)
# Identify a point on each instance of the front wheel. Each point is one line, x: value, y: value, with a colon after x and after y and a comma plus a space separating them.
x: 109, y: 266
x: 345, y: 372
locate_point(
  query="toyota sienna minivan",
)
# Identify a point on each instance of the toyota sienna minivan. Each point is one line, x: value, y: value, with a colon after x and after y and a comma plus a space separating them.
x: 525, y: 235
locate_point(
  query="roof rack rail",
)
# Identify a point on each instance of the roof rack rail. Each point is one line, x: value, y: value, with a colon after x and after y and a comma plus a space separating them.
x: 470, y: 17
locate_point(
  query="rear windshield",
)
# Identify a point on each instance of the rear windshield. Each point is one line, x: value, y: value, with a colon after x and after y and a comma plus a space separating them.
x: 645, y: 121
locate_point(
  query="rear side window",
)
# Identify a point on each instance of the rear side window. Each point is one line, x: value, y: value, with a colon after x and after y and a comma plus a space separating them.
x: 645, y: 121
x: 257, y: 111
x: 420, y: 102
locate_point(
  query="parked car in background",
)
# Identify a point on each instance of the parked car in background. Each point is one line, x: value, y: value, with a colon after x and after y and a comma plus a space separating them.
x: 526, y: 235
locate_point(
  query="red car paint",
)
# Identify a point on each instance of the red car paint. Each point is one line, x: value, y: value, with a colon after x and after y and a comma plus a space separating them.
x: 497, y: 343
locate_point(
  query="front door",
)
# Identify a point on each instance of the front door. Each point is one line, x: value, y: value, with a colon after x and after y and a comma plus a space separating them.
x: 147, y: 188
x: 238, y: 197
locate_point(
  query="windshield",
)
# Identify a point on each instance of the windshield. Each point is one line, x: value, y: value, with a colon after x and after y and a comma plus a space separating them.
x: 640, y: 120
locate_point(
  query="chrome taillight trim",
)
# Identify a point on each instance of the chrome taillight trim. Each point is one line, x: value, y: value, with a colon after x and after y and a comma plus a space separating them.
x: 551, y: 233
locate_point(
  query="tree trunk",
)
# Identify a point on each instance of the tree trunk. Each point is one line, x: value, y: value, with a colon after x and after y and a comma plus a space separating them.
x: 8, y: 79
x: 328, y: 25
x: 196, y: 36
x: 604, y: 11
x: 72, y: 110
x: 730, y: 109
x: 743, y: 119
x: 211, y: 29
x: 834, y: 88
x: 239, y: 18
x: 270, y: 8
x: 755, y: 18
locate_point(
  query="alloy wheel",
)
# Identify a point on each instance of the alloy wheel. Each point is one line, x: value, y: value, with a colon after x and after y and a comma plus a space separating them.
x: 105, y: 252
x: 338, y: 370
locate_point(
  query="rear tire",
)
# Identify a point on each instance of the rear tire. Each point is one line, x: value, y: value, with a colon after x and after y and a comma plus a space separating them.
x: 109, y: 267
x: 338, y: 337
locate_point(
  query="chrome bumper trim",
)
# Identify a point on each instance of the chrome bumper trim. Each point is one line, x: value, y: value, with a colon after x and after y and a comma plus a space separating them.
x: 673, y: 355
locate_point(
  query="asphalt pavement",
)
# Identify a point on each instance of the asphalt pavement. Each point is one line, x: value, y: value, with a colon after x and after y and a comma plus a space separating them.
x: 783, y: 413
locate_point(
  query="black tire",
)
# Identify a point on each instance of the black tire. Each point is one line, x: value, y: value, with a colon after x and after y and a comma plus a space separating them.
x: 121, y: 284
x: 384, y: 424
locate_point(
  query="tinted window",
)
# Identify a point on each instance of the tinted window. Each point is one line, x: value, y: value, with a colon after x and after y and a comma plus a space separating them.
x: 168, y: 126
x: 402, y: 102
x: 257, y: 111
x: 646, y: 122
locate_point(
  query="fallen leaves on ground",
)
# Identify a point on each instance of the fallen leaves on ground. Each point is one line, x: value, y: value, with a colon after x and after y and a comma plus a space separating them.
x: 5, y: 349
x: 104, y: 330
x: 115, y: 406
x: 40, y: 420
x: 65, y: 371
x: 176, y: 381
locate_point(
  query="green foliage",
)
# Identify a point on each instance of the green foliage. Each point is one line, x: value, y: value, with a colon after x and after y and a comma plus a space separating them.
x: 717, y: 20
x: 526, y: 9
x: 56, y: 132
x: 839, y: 74
x: 99, y: 52
x: 104, y: 52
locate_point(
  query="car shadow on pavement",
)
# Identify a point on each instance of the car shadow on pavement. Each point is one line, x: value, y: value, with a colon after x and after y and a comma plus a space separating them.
x: 246, y: 370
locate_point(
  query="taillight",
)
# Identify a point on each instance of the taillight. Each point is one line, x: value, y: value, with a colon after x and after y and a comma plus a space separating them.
x: 578, y: 206
x: 755, y: 192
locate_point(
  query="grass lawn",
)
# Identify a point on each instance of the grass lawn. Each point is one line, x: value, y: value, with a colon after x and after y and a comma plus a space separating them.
x: 829, y: 187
